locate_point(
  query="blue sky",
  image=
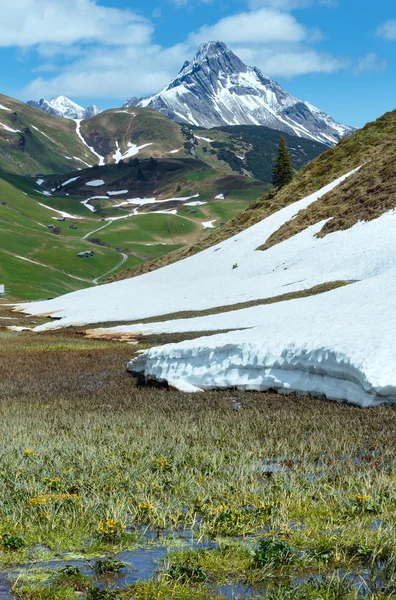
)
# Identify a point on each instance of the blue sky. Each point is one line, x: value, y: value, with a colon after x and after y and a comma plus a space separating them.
x: 338, y: 54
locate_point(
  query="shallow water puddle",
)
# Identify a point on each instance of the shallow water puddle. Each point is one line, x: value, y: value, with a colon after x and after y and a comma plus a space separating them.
x: 5, y: 591
x: 141, y: 563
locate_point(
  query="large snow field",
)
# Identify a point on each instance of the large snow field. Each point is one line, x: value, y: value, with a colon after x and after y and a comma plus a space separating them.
x: 339, y: 344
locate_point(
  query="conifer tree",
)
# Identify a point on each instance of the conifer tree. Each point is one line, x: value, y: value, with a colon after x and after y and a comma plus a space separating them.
x: 283, y: 168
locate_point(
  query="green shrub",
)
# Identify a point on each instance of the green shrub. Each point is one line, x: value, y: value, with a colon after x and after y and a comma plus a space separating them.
x: 12, y: 542
x: 186, y: 571
x: 98, y: 594
x: 108, y: 565
x: 272, y: 551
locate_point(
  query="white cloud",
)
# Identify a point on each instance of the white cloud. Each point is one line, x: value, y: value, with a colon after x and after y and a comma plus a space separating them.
x: 288, y: 5
x: 99, y: 52
x: 113, y: 73
x: 387, y: 30
x: 255, y: 27
x: 280, y: 4
x: 370, y: 62
x: 26, y: 23
x: 276, y: 62
x: 185, y: 3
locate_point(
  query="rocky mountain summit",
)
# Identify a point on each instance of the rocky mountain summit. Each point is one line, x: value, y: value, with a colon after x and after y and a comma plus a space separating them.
x: 216, y: 88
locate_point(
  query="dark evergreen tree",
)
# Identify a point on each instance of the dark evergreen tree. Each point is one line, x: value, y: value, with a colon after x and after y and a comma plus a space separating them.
x: 283, y: 168
x: 152, y: 164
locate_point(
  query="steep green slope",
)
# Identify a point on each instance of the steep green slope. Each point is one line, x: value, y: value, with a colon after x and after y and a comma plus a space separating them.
x: 32, y: 141
x: 37, y: 261
x: 158, y: 178
x: 367, y: 195
x: 250, y: 149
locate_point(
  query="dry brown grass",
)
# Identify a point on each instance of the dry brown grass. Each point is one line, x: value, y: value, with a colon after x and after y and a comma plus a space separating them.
x: 96, y: 331
x: 363, y: 197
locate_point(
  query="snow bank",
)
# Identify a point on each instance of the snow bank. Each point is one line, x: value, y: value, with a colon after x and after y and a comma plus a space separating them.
x: 117, y: 193
x: 341, y: 345
x: 4, y: 107
x: 208, y: 224
x: 88, y: 205
x: 44, y: 134
x: 60, y: 212
x: 144, y: 201
x: 9, y: 128
x: 70, y: 181
x: 132, y: 151
x: 205, y: 139
x: 95, y: 183
x: 78, y: 131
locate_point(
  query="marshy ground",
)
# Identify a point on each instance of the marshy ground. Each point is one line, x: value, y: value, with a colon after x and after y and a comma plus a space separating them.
x: 110, y: 490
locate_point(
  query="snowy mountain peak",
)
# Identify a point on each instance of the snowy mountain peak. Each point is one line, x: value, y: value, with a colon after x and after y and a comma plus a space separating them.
x: 215, y: 58
x: 216, y: 88
x: 61, y: 106
x: 214, y: 51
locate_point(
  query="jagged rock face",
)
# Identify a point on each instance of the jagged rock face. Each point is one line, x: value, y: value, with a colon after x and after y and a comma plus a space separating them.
x: 64, y: 107
x: 132, y: 102
x: 216, y: 88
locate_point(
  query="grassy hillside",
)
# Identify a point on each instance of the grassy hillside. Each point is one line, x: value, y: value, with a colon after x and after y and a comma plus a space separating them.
x: 38, y: 142
x: 367, y: 195
x: 160, y: 179
x: 38, y: 262
x: 137, y: 126
x: 53, y: 267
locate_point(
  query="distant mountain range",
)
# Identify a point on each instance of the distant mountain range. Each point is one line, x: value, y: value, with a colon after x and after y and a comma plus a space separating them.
x: 216, y: 88
x: 63, y: 107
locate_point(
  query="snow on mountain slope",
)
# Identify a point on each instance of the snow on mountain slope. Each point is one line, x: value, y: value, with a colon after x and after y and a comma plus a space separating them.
x: 216, y: 88
x: 64, y: 107
x: 205, y: 280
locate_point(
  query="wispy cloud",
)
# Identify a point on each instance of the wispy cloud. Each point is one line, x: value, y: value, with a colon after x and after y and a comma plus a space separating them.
x: 300, y: 62
x: 371, y: 62
x: 262, y: 26
x: 288, y: 5
x: 26, y: 23
x: 387, y: 30
x: 189, y: 3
